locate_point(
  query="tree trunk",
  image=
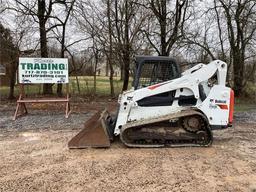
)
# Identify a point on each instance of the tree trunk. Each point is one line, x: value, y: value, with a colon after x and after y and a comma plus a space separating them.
x: 238, y: 69
x: 62, y: 54
x: 63, y: 48
x: 163, y: 37
x: 78, y: 85
x: 126, y: 51
x: 12, y: 80
x: 126, y: 72
x: 107, y: 67
x: 47, y: 88
x: 121, y: 72
x: 95, y: 71
x: 112, y: 91
x: 59, y: 85
x: 59, y: 90
x: 94, y: 83
x: 110, y: 56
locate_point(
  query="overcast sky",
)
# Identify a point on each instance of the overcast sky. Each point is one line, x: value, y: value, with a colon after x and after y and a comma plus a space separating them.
x: 9, y: 19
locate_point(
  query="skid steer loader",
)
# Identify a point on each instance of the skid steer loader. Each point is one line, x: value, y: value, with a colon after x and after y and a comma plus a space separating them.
x: 165, y: 107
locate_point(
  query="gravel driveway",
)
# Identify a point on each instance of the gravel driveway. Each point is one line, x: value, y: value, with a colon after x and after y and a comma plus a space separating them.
x: 34, y: 157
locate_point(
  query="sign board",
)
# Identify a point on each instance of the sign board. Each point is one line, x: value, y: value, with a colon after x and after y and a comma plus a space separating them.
x: 43, y: 70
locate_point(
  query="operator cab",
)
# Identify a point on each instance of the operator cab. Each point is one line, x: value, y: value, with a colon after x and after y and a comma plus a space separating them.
x: 151, y: 70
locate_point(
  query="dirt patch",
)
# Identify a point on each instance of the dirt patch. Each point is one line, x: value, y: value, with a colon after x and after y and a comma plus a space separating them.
x: 34, y: 157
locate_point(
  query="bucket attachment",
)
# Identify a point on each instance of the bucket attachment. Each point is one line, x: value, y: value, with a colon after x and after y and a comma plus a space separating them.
x: 96, y: 133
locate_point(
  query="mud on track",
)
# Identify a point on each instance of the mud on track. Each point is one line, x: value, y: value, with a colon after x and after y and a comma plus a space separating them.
x: 34, y: 157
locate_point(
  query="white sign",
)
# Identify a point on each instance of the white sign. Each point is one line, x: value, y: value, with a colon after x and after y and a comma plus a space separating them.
x: 43, y: 70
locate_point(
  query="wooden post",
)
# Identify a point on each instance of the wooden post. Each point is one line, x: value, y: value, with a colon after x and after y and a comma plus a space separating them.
x: 21, y: 106
x: 68, y: 111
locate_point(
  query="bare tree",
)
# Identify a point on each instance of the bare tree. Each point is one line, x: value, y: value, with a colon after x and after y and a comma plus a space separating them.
x: 240, y: 22
x: 97, y: 23
x: 129, y: 19
x: 9, y: 54
x: 201, y: 42
x: 110, y: 50
x: 168, y: 24
x: 61, y: 21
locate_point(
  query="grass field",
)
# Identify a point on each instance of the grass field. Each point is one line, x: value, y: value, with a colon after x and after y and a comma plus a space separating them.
x: 85, y: 83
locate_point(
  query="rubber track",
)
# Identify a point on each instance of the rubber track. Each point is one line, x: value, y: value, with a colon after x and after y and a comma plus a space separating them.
x: 180, y: 143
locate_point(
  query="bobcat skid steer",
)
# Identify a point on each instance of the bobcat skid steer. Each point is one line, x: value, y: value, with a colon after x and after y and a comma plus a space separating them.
x: 165, y: 107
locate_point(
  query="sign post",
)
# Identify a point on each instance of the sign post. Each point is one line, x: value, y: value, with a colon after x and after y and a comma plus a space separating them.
x: 41, y: 71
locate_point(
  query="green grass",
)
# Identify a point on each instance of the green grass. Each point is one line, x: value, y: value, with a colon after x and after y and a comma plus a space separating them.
x: 102, y: 85
x: 85, y: 82
x: 244, y: 107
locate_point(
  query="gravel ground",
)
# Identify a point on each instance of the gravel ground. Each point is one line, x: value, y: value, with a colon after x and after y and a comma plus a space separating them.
x: 34, y: 157
x: 246, y: 116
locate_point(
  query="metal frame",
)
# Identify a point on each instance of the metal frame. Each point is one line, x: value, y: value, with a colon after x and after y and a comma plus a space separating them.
x: 145, y: 60
x: 21, y: 102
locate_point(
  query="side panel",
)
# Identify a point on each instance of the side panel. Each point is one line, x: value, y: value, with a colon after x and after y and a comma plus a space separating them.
x: 216, y: 106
